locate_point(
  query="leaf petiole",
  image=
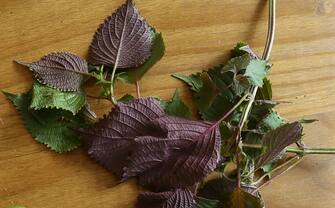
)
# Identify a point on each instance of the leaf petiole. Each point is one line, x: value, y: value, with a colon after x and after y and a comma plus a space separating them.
x: 138, y: 91
x: 113, y: 99
x: 301, y: 151
x: 230, y: 111
x: 307, y: 150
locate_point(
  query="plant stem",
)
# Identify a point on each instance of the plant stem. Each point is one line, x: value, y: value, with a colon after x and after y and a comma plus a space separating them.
x: 302, y: 151
x: 138, y: 92
x: 311, y: 150
x: 266, y: 56
x: 298, y: 160
x: 276, y: 169
x: 231, y: 110
x: 113, y: 99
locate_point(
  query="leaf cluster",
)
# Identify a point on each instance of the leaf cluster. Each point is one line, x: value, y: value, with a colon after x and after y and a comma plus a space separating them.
x: 57, y: 102
x: 263, y: 138
x: 159, y: 142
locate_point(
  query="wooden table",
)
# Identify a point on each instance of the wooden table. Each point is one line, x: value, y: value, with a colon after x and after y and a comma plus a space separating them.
x: 198, y: 35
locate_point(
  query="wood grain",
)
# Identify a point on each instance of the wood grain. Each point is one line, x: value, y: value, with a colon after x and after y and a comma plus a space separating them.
x: 198, y: 35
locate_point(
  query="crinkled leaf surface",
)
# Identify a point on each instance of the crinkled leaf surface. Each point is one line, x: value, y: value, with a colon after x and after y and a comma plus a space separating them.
x: 184, y: 153
x: 207, y: 93
x: 211, y: 101
x: 123, y: 39
x: 111, y: 140
x: 176, y: 107
x: 60, y: 70
x: 237, y: 64
x: 193, y: 80
x: 217, y: 89
x: 211, y: 91
x: 178, y: 198
x: 47, y: 126
x: 277, y: 140
x: 256, y: 72
x: 47, y: 97
x: 228, y: 138
x: 252, y: 138
x: 271, y: 121
x: 217, y: 109
x: 260, y: 110
x: 165, y: 151
x: 224, y: 82
x: 135, y: 74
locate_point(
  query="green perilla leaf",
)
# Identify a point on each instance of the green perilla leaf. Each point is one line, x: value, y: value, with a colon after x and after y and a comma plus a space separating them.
x: 47, y: 97
x: 176, y: 107
x: 52, y: 127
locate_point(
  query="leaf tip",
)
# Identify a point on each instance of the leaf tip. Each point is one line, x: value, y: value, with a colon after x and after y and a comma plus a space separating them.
x: 22, y: 63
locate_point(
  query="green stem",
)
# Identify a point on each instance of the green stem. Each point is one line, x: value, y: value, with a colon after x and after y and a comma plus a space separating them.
x: 113, y: 99
x: 303, y: 151
x: 231, y: 110
x: 86, y: 74
x: 311, y: 150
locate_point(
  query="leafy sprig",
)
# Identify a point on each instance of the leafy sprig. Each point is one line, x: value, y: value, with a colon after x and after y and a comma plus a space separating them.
x: 183, y: 162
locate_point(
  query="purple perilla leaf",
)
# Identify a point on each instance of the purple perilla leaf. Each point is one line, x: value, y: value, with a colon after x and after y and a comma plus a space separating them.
x: 164, y: 151
x: 62, y: 70
x: 179, y: 198
x: 182, y: 155
x: 123, y: 40
x: 277, y: 140
x: 111, y: 140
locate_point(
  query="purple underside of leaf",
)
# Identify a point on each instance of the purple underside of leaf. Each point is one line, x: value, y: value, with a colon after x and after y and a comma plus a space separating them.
x: 277, y: 140
x: 61, y: 70
x: 111, y: 140
x: 179, y: 198
x: 123, y: 39
x: 138, y: 140
x: 188, y: 153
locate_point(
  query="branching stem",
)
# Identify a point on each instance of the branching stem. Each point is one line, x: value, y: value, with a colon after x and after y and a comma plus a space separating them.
x: 253, y: 90
x: 230, y: 111
x: 297, y: 159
